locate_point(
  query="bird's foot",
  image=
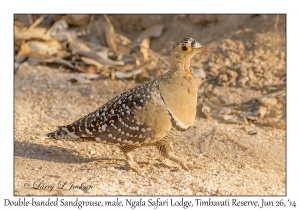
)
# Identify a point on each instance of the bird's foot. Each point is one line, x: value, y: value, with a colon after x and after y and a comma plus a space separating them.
x: 184, y: 166
x: 133, y: 166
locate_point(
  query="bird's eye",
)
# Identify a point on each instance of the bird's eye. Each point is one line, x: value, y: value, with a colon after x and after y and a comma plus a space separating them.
x: 185, y: 49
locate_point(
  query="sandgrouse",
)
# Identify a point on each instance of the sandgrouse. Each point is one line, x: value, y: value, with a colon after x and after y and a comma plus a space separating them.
x: 151, y: 114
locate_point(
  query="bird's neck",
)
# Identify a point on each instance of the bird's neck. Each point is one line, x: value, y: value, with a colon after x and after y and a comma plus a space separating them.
x: 179, y: 67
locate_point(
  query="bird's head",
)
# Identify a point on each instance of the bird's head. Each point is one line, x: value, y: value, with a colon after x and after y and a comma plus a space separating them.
x: 184, y: 50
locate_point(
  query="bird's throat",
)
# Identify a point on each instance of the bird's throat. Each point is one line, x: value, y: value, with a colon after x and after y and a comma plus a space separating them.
x: 187, y: 72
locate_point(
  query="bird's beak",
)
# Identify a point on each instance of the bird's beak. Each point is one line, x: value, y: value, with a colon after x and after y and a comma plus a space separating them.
x: 202, y: 48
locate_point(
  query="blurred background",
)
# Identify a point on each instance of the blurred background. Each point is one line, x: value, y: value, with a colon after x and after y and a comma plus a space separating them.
x: 247, y: 52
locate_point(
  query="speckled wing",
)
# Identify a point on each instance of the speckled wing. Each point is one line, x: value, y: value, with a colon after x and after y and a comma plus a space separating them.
x: 116, y: 122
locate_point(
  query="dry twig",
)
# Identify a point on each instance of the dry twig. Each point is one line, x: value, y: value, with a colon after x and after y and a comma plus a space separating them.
x: 167, y: 63
x: 276, y: 24
x: 37, y: 22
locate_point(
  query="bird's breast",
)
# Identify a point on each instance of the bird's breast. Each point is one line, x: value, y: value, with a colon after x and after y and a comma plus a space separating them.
x: 180, y: 96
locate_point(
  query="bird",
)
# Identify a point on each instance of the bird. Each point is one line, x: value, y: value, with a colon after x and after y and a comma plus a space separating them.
x: 154, y: 113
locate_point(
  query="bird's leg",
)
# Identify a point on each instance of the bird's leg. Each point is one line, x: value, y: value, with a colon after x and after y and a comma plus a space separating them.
x: 166, y: 150
x: 130, y: 163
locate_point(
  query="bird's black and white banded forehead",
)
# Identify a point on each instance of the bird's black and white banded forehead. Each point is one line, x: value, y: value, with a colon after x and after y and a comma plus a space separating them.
x: 189, y: 41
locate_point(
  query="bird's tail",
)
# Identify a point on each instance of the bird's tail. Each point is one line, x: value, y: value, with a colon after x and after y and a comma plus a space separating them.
x: 58, y: 134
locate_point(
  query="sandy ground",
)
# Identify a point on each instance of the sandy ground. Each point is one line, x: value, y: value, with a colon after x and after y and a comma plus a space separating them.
x: 227, y: 160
